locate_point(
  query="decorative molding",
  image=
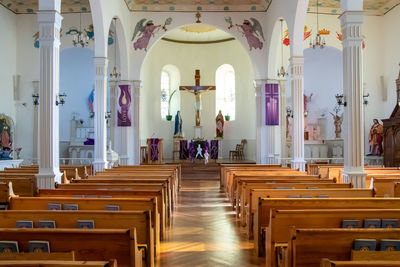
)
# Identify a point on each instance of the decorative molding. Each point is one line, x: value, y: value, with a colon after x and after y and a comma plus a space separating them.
x: 198, y: 42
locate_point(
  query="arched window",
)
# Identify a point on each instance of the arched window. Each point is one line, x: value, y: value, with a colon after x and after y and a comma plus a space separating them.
x: 165, y: 92
x: 225, y: 94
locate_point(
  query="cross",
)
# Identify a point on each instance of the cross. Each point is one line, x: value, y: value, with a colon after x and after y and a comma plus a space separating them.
x: 197, y: 90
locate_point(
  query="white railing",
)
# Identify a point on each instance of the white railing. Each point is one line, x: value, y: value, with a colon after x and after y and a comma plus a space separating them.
x: 63, y: 161
x: 368, y: 160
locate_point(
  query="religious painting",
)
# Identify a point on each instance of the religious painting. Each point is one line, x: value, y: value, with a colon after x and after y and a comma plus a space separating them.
x: 124, y: 106
x: 6, y: 132
x: 271, y: 104
x: 307, y: 34
x: 145, y: 29
x: 251, y: 29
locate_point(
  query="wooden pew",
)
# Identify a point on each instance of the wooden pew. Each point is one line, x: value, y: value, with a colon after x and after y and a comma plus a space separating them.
x: 56, y: 263
x: 384, y: 187
x: 140, y: 220
x: 4, y: 193
x: 96, y: 244
x: 378, y: 263
x: 265, y: 206
x: 104, y: 193
x: 124, y: 204
x: 256, y: 194
x: 231, y: 166
x: 308, y: 246
x: 64, y: 256
x: 246, y: 187
x: 278, y: 230
x: 22, y: 186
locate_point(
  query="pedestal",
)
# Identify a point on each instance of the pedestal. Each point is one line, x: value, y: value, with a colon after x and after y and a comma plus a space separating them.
x: 176, y: 147
x: 322, y: 128
x: 197, y: 132
x: 220, y: 141
x: 160, y: 152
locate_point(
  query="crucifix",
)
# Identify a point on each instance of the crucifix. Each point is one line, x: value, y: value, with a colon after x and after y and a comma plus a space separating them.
x: 197, y: 90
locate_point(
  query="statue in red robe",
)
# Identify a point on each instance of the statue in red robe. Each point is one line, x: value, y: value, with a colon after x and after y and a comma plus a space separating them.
x: 5, y: 138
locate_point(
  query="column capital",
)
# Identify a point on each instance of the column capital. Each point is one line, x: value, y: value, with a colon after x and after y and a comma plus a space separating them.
x: 50, y: 5
x: 258, y: 85
x: 296, y: 60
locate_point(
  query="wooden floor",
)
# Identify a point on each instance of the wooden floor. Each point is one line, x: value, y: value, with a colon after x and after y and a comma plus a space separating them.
x: 204, y: 230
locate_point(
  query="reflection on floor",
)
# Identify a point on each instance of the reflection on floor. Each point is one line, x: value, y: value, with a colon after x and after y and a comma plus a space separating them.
x: 204, y: 231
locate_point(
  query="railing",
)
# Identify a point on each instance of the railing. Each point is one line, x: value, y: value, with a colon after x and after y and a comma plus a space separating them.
x: 63, y: 161
x: 368, y: 160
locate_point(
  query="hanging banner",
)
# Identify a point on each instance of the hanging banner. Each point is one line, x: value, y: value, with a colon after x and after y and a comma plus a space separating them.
x: 124, y: 106
x: 271, y: 104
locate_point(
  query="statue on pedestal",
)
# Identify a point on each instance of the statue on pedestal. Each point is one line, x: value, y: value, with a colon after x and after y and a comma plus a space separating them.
x: 220, y: 125
x: 178, y: 125
x: 337, y: 120
x: 375, y: 139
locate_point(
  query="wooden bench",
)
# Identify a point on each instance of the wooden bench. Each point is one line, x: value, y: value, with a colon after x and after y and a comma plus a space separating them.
x: 140, y: 220
x: 378, y: 263
x: 265, y: 206
x: 64, y: 256
x: 278, y: 230
x: 56, y: 263
x: 95, y: 244
x: 307, y: 247
x: 22, y: 186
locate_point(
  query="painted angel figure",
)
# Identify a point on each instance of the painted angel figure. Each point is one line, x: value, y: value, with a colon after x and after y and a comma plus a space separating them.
x: 253, y: 32
x: 146, y: 30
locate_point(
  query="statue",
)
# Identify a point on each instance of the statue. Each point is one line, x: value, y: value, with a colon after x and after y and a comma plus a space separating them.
x: 337, y: 120
x: 375, y: 139
x: 199, y: 152
x: 220, y: 124
x: 206, y: 155
x: 5, y: 137
x: 178, y: 125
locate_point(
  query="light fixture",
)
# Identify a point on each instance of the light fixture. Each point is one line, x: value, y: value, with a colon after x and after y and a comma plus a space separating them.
x: 289, y: 112
x: 60, y: 99
x: 35, y: 98
x: 282, y: 72
x: 366, y: 99
x: 108, y: 115
x: 80, y: 37
x: 340, y: 99
x: 115, y: 75
x: 319, y: 41
x: 91, y: 114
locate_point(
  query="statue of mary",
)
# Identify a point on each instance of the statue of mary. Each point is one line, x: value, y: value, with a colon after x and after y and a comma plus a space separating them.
x: 178, y: 125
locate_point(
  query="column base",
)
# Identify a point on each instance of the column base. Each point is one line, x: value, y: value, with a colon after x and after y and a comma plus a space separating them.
x: 298, y: 164
x: 270, y: 159
x: 124, y: 160
x: 99, y: 166
x: 47, y: 178
x: 355, y: 178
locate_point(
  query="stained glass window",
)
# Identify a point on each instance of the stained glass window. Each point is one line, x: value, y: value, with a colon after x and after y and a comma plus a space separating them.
x: 165, y: 91
x: 225, y: 94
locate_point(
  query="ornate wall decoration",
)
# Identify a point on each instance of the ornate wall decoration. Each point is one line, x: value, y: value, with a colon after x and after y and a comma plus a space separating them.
x: 251, y: 29
x: 145, y: 29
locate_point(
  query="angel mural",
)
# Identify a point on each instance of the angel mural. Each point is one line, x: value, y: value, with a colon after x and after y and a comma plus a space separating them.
x: 252, y: 30
x: 146, y: 29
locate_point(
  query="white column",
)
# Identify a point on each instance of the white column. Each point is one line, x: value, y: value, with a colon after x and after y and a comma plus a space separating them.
x: 282, y: 105
x: 126, y: 157
x: 112, y: 121
x: 49, y: 20
x: 259, y: 86
x: 297, y: 71
x: 351, y: 22
x: 136, y: 121
x: 100, y: 101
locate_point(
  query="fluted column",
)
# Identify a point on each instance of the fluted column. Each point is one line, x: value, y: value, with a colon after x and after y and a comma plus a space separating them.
x: 100, y: 127
x: 112, y: 121
x: 351, y: 22
x: 49, y: 20
x: 282, y: 105
x: 136, y: 120
x: 259, y: 86
x: 297, y: 71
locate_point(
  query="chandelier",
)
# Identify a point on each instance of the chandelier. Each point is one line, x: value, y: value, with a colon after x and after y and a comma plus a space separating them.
x: 115, y: 75
x: 80, y: 37
x: 282, y: 72
x: 319, y: 41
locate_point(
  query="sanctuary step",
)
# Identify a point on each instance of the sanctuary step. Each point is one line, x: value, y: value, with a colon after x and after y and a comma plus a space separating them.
x: 199, y: 170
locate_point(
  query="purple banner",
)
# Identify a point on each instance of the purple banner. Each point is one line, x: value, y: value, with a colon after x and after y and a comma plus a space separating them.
x: 214, y: 149
x: 183, y: 149
x: 192, y: 150
x: 154, y: 149
x: 271, y: 104
x: 124, y: 106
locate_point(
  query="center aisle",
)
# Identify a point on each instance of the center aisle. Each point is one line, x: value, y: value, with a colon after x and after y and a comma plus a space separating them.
x: 204, y: 231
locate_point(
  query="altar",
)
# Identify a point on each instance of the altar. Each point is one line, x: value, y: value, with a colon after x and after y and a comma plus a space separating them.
x: 10, y: 163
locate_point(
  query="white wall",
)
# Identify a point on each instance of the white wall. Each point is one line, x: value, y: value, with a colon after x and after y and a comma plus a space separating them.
x: 8, y: 64
x: 207, y: 58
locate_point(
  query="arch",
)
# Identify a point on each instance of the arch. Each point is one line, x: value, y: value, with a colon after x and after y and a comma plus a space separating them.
x: 296, y: 32
x: 120, y: 41
x: 174, y: 77
x: 225, y: 96
x: 274, y: 52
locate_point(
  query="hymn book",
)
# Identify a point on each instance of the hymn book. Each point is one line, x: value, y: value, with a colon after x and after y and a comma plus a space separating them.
x: 88, y: 224
x: 9, y: 247
x: 47, y: 224
x: 24, y: 224
x: 39, y: 246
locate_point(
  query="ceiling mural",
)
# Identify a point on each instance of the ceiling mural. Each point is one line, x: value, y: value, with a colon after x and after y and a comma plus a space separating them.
x: 372, y: 7
x: 31, y: 6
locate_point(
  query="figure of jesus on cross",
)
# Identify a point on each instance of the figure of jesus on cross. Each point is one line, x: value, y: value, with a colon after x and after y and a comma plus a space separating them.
x: 197, y: 90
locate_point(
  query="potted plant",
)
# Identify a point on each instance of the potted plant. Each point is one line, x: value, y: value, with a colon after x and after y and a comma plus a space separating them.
x: 227, y: 117
x: 169, y: 116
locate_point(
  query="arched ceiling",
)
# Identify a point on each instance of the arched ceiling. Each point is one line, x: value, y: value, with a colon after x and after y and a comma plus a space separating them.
x: 373, y: 7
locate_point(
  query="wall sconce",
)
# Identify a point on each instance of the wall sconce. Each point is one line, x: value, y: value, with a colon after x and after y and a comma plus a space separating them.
x: 91, y: 114
x: 35, y: 98
x: 305, y: 113
x: 60, y: 99
x: 289, y: 112
x: 366, y: 99
x: 341, y: 100
x: 108, y: 115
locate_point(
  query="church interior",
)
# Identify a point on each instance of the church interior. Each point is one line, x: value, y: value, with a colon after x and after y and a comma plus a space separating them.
x: 200, y: 133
